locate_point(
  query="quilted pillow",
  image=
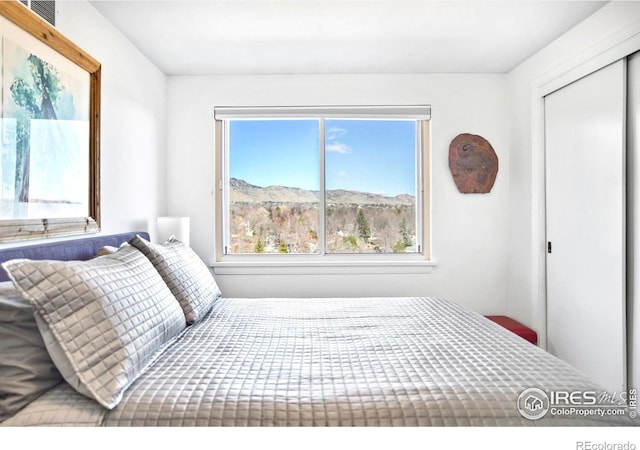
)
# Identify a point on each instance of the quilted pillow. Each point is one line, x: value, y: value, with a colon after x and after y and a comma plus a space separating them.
x: 103, y: 320
x: 184, y: 272
x: 26, y: 369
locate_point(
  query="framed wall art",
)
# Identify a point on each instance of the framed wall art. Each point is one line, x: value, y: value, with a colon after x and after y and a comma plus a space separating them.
x: 49, y: 130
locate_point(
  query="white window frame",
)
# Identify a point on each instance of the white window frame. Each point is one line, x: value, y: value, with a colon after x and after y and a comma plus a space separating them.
x: 325, y: 263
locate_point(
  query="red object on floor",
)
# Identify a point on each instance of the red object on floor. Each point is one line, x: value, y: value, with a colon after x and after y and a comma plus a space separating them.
x: 516, y: 327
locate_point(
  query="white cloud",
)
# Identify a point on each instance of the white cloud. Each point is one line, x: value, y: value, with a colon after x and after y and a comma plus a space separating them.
x: 343, y: 174
x: 337, y: 148
x: 334, y: 133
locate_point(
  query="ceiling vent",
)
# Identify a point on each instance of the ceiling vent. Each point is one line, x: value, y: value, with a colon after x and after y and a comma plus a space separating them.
x: 44, y: 8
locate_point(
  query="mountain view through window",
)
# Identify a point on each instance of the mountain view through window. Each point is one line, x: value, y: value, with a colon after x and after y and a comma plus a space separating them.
x: 278, y: 204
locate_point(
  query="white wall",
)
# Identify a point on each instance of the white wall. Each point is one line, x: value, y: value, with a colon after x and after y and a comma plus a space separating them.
x: 469, y: 231
x: 610, y: 33
x: 133, y: 120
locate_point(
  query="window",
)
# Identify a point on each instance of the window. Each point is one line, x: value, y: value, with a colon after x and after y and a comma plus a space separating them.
x: 323, y: 182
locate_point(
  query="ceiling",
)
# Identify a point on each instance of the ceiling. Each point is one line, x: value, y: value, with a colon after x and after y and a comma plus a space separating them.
x: 339, y: 36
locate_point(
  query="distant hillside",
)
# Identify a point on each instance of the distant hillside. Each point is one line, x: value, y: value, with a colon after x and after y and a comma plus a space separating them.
x: 243, y: 192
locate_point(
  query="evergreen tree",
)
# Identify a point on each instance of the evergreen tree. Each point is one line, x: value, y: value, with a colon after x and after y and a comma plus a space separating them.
x: 259, y: 248
x: 405, y: 233
x: 363, y: 225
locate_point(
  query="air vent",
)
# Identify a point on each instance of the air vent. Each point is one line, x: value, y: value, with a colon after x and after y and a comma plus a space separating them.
x: 44, y: 8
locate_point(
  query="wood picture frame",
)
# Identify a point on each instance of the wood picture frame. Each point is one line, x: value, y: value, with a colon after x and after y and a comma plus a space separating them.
x: 40, y: 36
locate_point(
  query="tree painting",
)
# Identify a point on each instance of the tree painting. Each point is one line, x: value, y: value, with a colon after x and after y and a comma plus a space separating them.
x: 36, y: 97
x: 45, y: 115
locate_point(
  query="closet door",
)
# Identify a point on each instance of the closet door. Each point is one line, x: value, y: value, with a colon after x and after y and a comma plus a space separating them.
x: 633, y: 218
x: 585, y: 198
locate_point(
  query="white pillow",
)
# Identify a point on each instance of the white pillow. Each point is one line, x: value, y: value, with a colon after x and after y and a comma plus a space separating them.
x: 189, y: 279
x: 103, y: 320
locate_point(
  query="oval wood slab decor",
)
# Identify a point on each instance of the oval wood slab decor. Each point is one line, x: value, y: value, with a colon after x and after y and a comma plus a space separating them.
x: 473, y: 163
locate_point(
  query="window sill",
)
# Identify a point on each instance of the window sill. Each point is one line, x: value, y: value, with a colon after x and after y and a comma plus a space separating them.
x: 332, y: 267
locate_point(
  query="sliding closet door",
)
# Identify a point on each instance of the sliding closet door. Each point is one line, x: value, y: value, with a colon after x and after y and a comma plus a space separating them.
x: 633, y: 218
x: 585, y: 157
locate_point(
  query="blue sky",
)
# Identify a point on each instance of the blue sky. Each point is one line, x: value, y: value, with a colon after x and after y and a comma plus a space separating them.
x: 375, y: 156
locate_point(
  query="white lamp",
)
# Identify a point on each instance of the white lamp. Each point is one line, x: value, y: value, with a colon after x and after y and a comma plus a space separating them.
x: 173, y: 226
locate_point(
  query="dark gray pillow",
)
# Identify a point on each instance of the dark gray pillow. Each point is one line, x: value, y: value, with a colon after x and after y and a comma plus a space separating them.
x: 189, y: 279
x: 26, y: 369
x: 103, y: 320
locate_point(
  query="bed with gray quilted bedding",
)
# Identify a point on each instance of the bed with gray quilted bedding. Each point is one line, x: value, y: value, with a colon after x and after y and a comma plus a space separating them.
x: 141, y: 335
x: 330, y: 362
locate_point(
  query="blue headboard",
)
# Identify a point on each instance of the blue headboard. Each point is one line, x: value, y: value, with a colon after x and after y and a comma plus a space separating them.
x: 66, y: 250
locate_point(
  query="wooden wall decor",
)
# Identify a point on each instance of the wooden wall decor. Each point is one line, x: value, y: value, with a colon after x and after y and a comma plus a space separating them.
x: 473, y: 164
x: 49, y: 130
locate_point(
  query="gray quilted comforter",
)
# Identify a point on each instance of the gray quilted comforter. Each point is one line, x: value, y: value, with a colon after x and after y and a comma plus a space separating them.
x: 330, y: 362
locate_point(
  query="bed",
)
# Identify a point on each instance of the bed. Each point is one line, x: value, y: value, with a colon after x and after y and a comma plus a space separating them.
x: 176, y: 352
